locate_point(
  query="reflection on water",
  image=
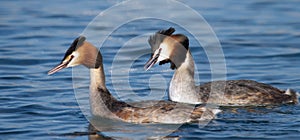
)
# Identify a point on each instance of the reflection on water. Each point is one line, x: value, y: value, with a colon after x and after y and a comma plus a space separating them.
x: 119, y: 129
x: 104, y: 129
x: 260, y: 40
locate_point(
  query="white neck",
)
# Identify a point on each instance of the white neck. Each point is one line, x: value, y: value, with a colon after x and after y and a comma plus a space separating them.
x: 101, y: 101
x: 182, y: 87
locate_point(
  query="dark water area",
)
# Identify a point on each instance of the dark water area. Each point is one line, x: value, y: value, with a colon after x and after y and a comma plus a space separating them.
x: 259, y: 39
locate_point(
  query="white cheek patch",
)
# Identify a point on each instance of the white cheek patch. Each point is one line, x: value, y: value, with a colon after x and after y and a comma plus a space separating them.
x: 164, y: 53
x: 161, y: 58
x: 74, y: 61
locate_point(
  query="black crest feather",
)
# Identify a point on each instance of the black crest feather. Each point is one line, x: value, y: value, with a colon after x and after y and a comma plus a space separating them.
x: 158, y: 37
x: 77, y: 42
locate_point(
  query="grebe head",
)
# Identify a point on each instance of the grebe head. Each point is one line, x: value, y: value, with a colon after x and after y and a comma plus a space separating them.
x: 80, y: 52
x: 167, y: 48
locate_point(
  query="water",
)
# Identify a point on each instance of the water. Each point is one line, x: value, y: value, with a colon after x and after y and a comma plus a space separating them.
x: 259, y: 40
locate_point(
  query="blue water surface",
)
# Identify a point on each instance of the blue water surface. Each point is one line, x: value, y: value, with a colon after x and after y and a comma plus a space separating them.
x: 259, y: 38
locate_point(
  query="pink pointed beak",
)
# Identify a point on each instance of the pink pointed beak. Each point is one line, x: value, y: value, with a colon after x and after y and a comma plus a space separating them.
x: 152, y: 61
x: 58, y: 68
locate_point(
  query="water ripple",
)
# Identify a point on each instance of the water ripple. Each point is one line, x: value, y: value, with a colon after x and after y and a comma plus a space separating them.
x: 260, y: 40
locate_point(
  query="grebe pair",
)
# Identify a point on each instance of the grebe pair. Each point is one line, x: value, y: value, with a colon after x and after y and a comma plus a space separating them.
x: 174, y: 49
x: 103, y: 104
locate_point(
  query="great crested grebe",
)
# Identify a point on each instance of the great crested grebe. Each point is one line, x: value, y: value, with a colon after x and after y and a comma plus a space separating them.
x: 174, y: 49
x: 103, y: 104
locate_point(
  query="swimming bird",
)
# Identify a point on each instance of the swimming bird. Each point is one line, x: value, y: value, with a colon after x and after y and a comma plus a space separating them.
x: 103, y: 104
x: 174, y: 49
